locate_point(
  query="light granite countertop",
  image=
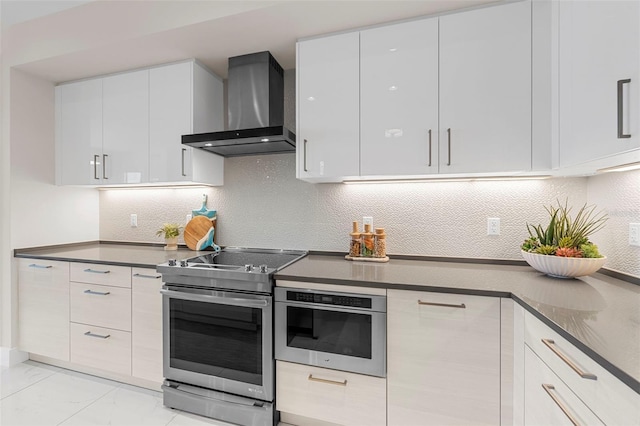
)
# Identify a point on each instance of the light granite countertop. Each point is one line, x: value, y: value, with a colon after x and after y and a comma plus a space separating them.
x: 599, y: 314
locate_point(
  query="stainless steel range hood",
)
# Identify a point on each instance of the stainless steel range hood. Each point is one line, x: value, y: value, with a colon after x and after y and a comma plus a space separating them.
x: 255, y: 89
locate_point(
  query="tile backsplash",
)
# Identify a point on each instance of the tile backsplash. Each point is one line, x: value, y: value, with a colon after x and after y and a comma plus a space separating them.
x: 262, y: 204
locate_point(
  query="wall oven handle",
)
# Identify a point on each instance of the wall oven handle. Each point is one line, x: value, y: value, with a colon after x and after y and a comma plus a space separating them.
x: 236, y: 301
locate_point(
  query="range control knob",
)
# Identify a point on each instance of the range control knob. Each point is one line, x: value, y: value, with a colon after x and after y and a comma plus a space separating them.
x: 183, y: 263
x: 248, y: 268
x: 172, y: 262
x: 263, y: 269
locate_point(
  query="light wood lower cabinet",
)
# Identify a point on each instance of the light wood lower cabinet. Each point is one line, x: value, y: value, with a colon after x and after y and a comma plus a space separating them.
x: 329, y: 395
x: 443, y: 353
x: 101, y: 305
x: 103, y: 348
x: 146, y: 326
x: 548, y: 401
x: 43, y: 307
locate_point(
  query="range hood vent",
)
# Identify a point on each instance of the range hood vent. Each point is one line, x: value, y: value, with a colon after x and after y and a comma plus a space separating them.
x: 256, y: 111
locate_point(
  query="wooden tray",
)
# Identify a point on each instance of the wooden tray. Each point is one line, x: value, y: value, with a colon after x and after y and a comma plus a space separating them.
x: 368, y: 259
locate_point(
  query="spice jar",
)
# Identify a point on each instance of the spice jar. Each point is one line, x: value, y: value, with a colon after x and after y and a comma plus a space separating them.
x: 380, y: 243
x: 367, y: 241
x: 355, y: 245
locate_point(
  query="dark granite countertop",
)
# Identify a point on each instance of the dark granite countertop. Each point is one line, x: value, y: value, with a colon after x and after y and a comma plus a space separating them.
x: 598, y: 313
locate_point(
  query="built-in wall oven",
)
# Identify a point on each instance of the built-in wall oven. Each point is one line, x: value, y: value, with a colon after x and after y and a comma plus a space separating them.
x: 218, y: 334
x: 342, y: 331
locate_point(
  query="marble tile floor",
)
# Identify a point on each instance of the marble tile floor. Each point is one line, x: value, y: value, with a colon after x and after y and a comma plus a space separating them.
x: 35, y: 394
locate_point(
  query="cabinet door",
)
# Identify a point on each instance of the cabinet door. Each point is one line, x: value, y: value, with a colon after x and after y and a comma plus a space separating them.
x: 485, y: 90
x: 599, y: 45
x: 146, y: 327
x: 126, y: 128
x: 170, y: 117
x: 79, y: 133
x: 548, y: 401
x: 328, y: 135
x: 443, y: 363
x: 43, y: 308
x: 399, y: 99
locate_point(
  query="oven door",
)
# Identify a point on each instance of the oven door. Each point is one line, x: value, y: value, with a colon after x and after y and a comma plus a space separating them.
x: 344, y: 339
x: 219, y: 340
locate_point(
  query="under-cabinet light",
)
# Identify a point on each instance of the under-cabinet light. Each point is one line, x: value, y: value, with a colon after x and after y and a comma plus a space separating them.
x: 436, y: 179
x: 621, y: 168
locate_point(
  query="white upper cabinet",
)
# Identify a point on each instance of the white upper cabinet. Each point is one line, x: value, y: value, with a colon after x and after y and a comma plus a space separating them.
x: 125, y: 144
x: 328, y: 123
x: 127, y: 128
x: 184, y: 98
x: 79, y: 133
x: 599, y: 61
x: 485, y: 90
x: 399, y: 99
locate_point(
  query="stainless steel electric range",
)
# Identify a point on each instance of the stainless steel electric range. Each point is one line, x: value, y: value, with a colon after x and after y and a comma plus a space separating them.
x: 218, y: 333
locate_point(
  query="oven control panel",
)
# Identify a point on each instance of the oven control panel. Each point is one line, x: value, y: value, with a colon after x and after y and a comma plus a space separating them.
x: 329, y: 299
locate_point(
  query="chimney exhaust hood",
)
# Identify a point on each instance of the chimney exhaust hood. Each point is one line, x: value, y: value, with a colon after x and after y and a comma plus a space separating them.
x: 255, y: 88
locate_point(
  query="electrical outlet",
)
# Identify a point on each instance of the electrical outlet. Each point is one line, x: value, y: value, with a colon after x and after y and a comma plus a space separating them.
x: 493, y: 226
x: 133, y: 220
x: 634, y: 234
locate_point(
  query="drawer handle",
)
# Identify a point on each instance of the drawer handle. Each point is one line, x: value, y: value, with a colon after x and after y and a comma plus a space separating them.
x: 330, y: 382
x: 99, y: 336
x: 93, y: 271
x: 97, y: 293
x: 153, y: 277
x: 33, y: 265
x: 550, y: 342
x: 548, y: 389
x: 446, y: 305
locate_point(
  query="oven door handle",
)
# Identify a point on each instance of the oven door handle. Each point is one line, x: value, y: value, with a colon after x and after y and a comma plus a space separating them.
x: 236, y: 301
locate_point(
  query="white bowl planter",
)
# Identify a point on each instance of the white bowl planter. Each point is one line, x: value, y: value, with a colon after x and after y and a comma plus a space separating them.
x: 563, y: 267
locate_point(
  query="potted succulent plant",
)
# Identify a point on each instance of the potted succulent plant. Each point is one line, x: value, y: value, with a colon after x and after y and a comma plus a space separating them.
x: 562, y: 249
x: 170, y: 231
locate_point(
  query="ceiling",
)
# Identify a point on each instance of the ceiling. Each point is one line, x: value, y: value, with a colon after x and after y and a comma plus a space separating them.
x: 16, y: 11
x: 274, y: 27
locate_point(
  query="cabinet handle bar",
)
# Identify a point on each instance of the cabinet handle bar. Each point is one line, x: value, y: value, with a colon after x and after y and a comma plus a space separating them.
x: 621, y: 134
x: 184, y: 150
x: 447, y: 305
x: 96, y: 272
x: 304, y: 155
x: 104, y: 166
x: 99, y: 336
x: 548, y: 389
x: 550, y: 344
x: 153, y: 277
x: 429, y: 148
x: 95, y: 167
x: 330, y: 382
x: 449, y: 146
x: 97, y: 293
x: 33, y: 265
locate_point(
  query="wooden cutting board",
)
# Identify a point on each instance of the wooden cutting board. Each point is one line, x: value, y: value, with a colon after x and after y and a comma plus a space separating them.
x: 197, y: 229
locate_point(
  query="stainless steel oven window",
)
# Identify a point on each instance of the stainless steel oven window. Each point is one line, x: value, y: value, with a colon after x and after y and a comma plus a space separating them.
x: 219, y: 340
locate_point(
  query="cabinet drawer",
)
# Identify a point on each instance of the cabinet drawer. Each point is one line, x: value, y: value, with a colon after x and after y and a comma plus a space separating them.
x: 548, y: 401
x: 610, y: 399
x: 101, y: 305
x: 102, y: 348
x: 330, y: 395
x: 117, y: 276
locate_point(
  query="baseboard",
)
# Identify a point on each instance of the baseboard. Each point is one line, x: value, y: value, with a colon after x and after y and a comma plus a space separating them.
x: 12, y: 356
